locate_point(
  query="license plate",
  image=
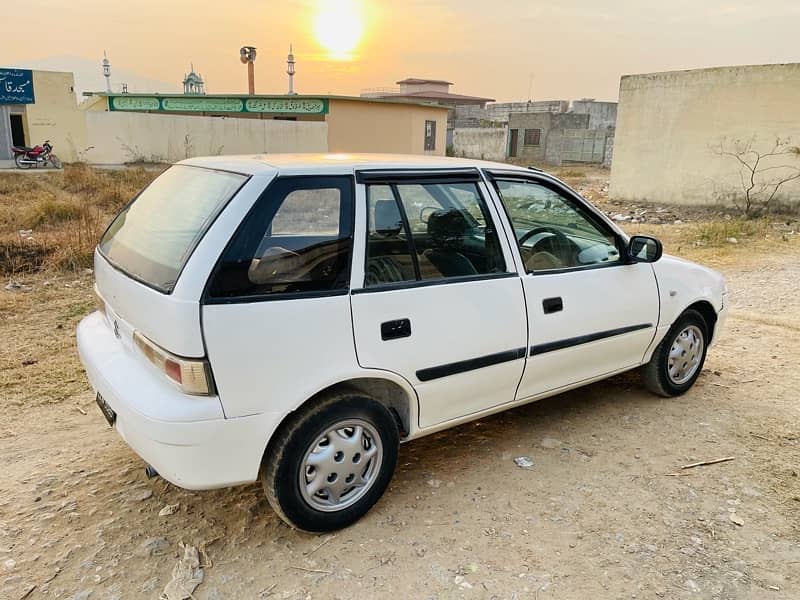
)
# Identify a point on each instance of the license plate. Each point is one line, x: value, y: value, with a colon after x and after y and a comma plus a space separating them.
x: 107, y: 411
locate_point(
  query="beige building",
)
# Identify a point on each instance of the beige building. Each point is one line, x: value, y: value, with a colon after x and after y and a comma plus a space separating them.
x: 105, y: 128
x: 44, y: 109
x: 129, y: 127
x: 669, y: 124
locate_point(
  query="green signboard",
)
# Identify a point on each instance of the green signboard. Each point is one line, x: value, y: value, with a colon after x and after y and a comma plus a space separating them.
x: 306, y: 106
x: 133, y: 103
x: 217, y: 104
x: 199, y: 104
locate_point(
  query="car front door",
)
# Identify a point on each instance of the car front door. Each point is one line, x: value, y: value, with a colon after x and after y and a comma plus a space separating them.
x: 435, y: 295
x: 591, y: 312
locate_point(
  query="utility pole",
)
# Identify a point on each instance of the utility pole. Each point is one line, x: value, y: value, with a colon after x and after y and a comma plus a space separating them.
x: 247, y: 54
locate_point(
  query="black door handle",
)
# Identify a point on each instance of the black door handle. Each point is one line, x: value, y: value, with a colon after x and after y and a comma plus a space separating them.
x: 393, y: 330
x: 552, y: 305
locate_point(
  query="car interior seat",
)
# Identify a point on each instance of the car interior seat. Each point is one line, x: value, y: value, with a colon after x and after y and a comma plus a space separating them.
x: 446, y: 230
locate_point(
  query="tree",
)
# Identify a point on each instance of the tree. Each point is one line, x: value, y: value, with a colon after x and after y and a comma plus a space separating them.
x: 761, y: 173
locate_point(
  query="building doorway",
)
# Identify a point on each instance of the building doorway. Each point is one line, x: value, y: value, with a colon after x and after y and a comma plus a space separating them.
x: 513, y: 138
x: 17, y: 131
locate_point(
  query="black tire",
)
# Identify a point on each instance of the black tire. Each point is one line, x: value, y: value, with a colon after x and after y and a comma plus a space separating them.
x: 56, y: 162
x: 284, y: 459
x: 19, y: 161
x: 655, y: 374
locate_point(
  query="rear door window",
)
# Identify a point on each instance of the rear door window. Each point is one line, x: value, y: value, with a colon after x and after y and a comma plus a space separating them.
x: 297, y: 240
x: 429, y: 231
x: 154, y: 236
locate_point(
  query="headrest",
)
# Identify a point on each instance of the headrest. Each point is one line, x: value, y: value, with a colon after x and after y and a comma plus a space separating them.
x: 387, y: 218
x: 447, y: 226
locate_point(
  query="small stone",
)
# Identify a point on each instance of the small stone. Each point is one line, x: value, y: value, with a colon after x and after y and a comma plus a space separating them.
x: 732, y: 240
x: 155, y: 546
x: 10, y: 564
x: 550, y: 443
x: 524, y: 462
x: 140, y: 495
x: 150, y: 585
x: 169, y: 509
x: 82, y: 595
x: 434, y: 483
x: 692, y: 586
x: 736, y: 519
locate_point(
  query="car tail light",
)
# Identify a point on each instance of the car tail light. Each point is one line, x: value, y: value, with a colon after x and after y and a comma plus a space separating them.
x: 193, y: 375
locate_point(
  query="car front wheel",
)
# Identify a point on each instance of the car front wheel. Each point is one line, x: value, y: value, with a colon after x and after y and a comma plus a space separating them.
x: 330, y: 462
x: 677, y: 361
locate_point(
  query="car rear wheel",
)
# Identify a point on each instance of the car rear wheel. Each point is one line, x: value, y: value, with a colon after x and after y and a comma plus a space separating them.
x: 329, y: 464
x: 677, y: 361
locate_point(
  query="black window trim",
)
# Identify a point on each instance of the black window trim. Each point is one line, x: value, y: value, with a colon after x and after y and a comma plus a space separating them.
x: 594, y: 215
x: 412, y: 245
x: 407, y: 285
x: 439, y: 179
x: 420, y: 176
x: 195, y: 243
x: 207, y: 300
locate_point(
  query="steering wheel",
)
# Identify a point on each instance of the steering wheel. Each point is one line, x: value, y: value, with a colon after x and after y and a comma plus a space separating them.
x: 564, y: 250
x: 560, y: 235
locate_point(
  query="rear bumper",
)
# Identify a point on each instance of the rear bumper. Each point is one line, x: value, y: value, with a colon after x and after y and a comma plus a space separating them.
x: 185, y: 438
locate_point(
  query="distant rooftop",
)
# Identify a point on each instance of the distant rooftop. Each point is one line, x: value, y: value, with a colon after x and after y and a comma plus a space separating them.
x: 417, y: 81
x: 434, y: 96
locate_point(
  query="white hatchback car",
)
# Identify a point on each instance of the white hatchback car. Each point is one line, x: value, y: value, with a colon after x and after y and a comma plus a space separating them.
x: 294, y: 318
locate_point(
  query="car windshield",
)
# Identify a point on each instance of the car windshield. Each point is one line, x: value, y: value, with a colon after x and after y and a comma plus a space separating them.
x: 153, y: 237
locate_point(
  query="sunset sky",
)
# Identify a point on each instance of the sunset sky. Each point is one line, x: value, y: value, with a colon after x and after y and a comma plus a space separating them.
x: 572, y: 48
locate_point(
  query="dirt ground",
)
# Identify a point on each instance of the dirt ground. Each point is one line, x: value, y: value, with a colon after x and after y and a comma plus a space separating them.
x: 605, y: 512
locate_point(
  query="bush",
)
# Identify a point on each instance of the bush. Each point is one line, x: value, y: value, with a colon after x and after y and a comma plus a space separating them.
x: 67, y: 212
x: 51, y: 212
x: 717, y: 233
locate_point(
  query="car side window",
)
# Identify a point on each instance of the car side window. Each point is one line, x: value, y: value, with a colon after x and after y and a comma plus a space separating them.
x: 427, y: 232
x: 553, y: 231
x: 297, y: 239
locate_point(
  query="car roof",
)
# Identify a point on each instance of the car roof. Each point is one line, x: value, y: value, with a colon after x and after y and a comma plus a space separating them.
x: 300, y: 164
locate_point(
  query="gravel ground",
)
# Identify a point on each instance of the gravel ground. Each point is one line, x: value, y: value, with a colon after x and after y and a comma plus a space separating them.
x: 600, y: 514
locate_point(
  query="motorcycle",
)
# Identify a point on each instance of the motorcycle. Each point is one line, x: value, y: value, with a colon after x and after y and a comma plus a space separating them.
x: 38, y: 156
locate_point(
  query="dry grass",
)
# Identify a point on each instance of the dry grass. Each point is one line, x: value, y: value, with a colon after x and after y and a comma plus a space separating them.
x: 53, y: 221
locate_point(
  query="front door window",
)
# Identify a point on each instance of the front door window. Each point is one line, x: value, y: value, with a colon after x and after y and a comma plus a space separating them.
x: 553, y: 231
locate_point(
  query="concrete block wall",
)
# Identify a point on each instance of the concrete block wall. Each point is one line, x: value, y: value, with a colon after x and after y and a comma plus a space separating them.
x: 668, y: 123
x: 481, y: 143
x: 601, y: 114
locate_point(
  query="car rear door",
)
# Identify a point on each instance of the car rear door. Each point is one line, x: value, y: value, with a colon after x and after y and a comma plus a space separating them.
x: 436, y: 297
x: 591, y: 313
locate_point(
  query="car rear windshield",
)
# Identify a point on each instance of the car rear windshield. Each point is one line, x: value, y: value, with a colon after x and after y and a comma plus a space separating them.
x: 153, y: 237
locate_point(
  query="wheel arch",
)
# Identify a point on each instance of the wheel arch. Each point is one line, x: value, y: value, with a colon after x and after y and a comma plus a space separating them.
x: 706, y: 310
x: 391, y: 390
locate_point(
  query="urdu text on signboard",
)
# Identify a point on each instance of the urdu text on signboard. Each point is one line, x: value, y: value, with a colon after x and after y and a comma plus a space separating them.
x: 16, y: 86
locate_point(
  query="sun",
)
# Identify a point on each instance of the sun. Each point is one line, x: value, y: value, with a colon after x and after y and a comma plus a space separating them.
x: 338, y: 26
